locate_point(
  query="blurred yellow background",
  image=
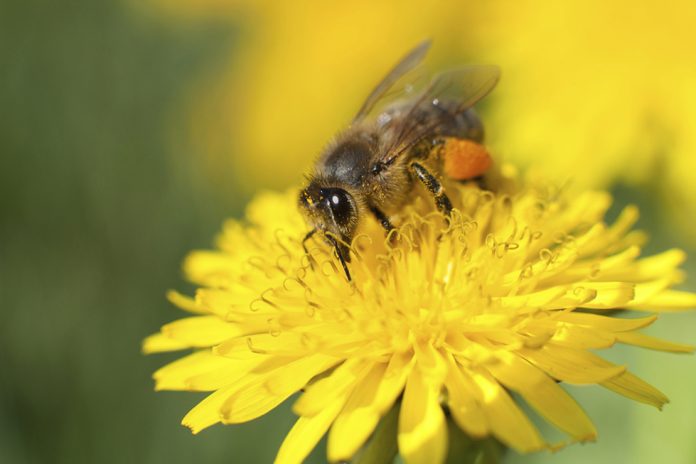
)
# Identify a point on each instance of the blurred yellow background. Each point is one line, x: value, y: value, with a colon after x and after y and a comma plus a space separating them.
x: 609, y: 86
x: 130, y: 129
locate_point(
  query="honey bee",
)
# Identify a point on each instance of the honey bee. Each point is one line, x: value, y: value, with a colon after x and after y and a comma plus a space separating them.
x: 393, y: 143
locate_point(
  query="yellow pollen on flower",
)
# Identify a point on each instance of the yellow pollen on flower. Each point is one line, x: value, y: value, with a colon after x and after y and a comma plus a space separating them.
x: 445, y: 313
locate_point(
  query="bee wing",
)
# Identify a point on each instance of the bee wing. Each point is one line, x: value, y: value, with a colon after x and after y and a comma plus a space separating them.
x: 466, y: 85
x: 381, y: 94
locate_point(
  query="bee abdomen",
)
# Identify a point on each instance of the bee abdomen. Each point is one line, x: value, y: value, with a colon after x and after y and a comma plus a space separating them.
x: 450, y: 121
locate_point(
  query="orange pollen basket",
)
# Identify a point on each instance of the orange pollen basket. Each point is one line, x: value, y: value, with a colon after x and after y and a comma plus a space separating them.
x: 465, y: 159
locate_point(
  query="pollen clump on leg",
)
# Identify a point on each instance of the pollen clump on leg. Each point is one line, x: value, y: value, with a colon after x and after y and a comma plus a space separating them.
x: 465, y: 159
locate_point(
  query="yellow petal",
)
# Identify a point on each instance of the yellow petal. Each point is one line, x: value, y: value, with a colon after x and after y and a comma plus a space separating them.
x: 371, y: 399
x: 580, y: 367
x: 606, y: 323
x: 538, y: 299
x: 207, y: 412
x: 358, y: 418
x: 305, y: 435
x: 159, y: 343
x: 430, y: 362
x: 647, y: 290
x: 320, y: 394
x: 668, y: 300
x: 609, y: 294
x: 577, y: 296
x: 544, y: 395
x: 623, y: 258
x: 235, y: 302
x: 464, y: 402
x: 393, y: 381
x: 636, y: 389
x: 570, y: 365
x: 295, y: 375
x: 507, y: 422
x: 594, y: 233
x: 602, y: 269
x: 646, y: 341
x: 184, y: 302
x: 422, y: 433
x: 200, y: 331
x: 210, y: 410
x: 178, y: 374
x: 580, y: 337
x: 280, y: 344
x: 649, y: 268
x: 615, y: 232
x: 208, y: 268
x: 223, y: 375
x: 249, y: 403
x: 262, y: 392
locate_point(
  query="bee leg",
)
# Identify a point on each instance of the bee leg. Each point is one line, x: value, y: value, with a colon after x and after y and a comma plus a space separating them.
x: 434, y: 186
x: 480, y: 181
x: 429, y: 149
x: 343, y: 255
x: 309, y: 235
x: 437, y: 147
x: 438, y: 143
x: 338, y: 248
x: 382, y: 219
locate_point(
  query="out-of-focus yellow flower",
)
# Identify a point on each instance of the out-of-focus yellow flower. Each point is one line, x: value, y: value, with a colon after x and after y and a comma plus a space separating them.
x: 611, y: 85
x: 514, y: 293
x: 298, y: 72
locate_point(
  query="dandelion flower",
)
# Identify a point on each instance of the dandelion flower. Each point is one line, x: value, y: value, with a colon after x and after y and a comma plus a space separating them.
x: 513, y: 294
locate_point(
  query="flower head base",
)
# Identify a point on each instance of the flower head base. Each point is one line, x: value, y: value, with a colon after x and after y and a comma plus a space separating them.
x: 443, y: 315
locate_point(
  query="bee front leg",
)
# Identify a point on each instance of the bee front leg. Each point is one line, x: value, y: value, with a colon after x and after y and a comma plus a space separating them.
x: 309, y: 235
x: 309, y: 256
x: 382, y: 219
x: 343, y: 255
x: 434, y: 186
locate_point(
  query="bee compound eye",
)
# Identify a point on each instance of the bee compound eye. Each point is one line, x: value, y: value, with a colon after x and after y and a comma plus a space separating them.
x: 341, y: 204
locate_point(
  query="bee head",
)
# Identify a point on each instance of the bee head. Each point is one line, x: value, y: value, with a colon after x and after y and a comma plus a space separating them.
x: 330, y: 209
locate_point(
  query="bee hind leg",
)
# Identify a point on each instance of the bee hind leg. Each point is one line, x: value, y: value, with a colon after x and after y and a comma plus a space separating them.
x: 434, y: 187
x: 480, y: 181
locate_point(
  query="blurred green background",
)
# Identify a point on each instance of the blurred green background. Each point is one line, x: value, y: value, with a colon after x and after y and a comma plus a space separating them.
x: 102, y: 194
